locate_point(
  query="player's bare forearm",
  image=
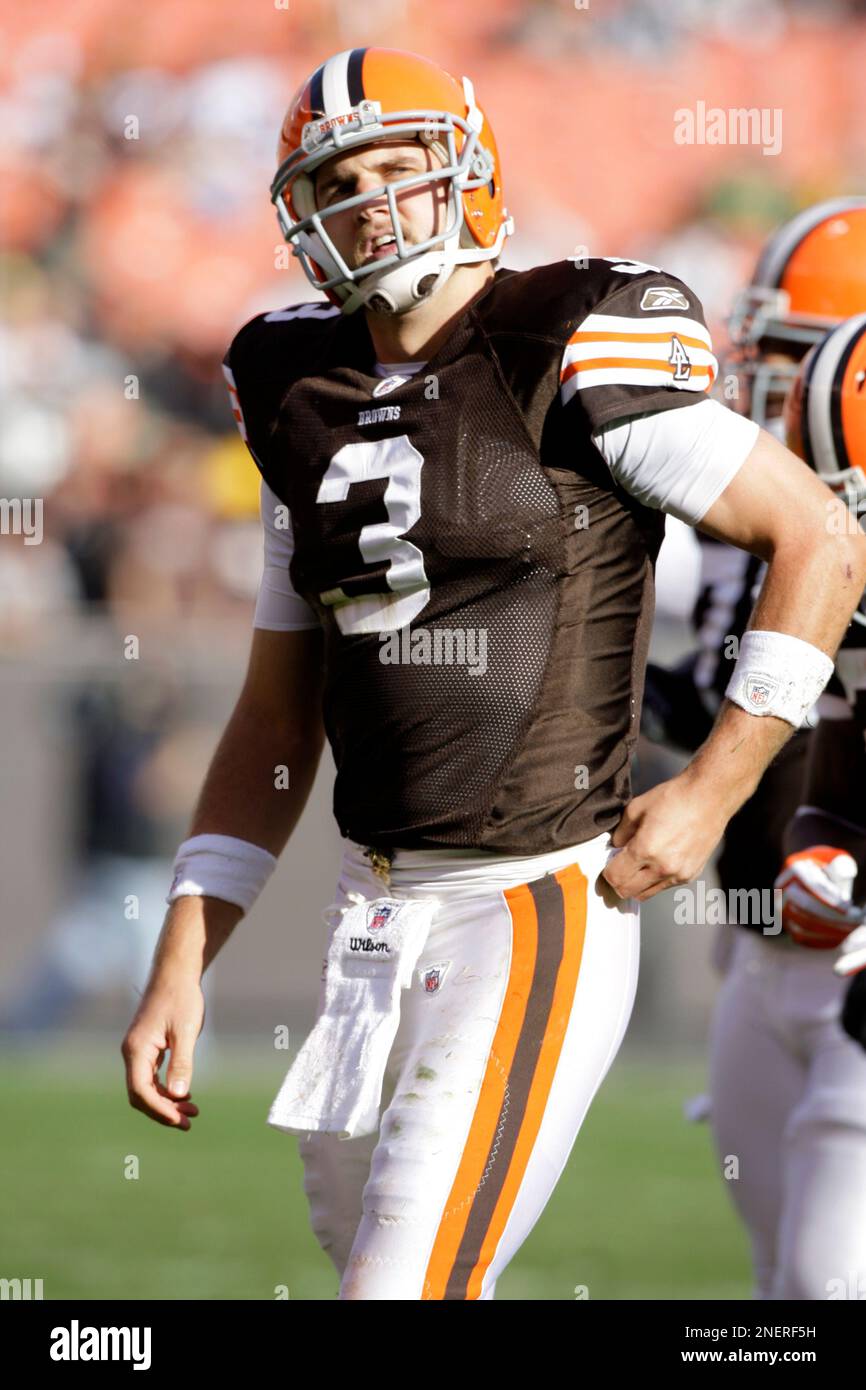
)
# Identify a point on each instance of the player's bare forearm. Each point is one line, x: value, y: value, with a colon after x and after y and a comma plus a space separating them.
x: 245, y: 794
x: 261, y: 773
x: 194, y: 932
x: 260, y: 777
x: 812, y: 587
x: 728, y: 766
x: 777, y: 508
x: 257, y: 784
x: 255, y: 789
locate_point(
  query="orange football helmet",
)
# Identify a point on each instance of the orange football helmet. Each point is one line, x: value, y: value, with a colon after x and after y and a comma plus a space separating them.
x: 825, y: 416
x: 364, y: 95
x: 810, y: 275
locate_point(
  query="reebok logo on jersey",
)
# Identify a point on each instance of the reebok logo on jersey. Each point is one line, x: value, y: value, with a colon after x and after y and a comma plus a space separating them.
x: 664, y: 297
x: 378, y: 414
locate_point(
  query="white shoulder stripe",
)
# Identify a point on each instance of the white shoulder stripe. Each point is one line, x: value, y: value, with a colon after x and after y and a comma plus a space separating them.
x: 699, y: 380
x: 598, y: 348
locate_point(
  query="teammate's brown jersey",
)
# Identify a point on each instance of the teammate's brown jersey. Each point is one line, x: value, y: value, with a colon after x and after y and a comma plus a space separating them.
x: 484, y: 584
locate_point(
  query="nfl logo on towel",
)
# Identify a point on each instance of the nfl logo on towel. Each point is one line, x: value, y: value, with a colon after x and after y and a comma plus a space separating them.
x: 380, y: 915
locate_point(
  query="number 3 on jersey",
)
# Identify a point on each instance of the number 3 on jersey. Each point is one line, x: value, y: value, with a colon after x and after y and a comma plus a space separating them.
x: 399, y: 461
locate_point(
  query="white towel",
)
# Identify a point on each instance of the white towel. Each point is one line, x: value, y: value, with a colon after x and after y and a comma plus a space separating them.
x: 335, y: 1082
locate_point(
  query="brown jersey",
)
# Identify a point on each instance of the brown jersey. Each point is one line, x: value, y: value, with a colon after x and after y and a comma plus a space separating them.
x: 484, y: 584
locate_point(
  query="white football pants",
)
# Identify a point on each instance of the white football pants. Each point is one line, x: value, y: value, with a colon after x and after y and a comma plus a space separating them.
x: 490, y: 1075
x: 788, y: 1090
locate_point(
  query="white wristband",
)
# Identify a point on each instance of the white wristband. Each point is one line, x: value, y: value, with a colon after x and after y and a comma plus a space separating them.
x: 221, y: 866
x: 778, y: 674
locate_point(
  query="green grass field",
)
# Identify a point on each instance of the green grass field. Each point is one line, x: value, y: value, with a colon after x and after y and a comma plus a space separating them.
x: 219, y: 1212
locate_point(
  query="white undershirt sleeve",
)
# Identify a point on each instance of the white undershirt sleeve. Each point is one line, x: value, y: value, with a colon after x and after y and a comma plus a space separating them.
x: 278, y: 606
x: 678, y: 461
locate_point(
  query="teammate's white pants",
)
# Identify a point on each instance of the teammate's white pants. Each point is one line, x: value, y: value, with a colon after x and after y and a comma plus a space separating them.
x: 489, y: 1077
x: 788, y: 1093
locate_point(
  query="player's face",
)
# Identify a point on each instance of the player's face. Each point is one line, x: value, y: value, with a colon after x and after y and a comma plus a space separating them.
x: 765, y: 379
x: 357, y: 231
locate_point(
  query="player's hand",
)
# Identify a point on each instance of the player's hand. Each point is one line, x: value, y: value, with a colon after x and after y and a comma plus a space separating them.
x: 854, y: 1008
x: 852, y: 953
x: 665, y: 837
x: 816, y: 886
x: 169, y: 1019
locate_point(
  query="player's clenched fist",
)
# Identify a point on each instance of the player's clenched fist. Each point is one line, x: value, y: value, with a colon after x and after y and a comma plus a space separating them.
x: 817, y: 886
x: 665, y: 837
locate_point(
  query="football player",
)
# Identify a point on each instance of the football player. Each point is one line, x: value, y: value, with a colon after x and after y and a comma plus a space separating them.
x: 465, y: 475
x: 788, y: 1087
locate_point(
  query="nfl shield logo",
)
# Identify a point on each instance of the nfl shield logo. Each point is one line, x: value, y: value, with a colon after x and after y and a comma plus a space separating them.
x: 379, y: 916
x: 431, y: 976
x: 760, y: 690
x: 389, y: 384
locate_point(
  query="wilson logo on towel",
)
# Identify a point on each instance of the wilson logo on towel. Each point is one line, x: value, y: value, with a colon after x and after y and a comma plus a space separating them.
x: 363, y: 943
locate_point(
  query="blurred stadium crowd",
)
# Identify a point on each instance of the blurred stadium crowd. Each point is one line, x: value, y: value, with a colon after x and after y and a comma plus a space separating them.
x: 136, y: 235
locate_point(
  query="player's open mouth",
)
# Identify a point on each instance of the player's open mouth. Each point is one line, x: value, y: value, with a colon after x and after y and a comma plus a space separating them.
x: 381, y: 246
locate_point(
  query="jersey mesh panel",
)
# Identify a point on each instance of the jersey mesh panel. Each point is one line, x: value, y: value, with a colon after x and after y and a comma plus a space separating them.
x: 490, y: 533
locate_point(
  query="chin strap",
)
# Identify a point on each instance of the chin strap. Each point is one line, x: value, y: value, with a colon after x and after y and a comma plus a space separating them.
x: 393, y: 291
x: 403, y: 287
